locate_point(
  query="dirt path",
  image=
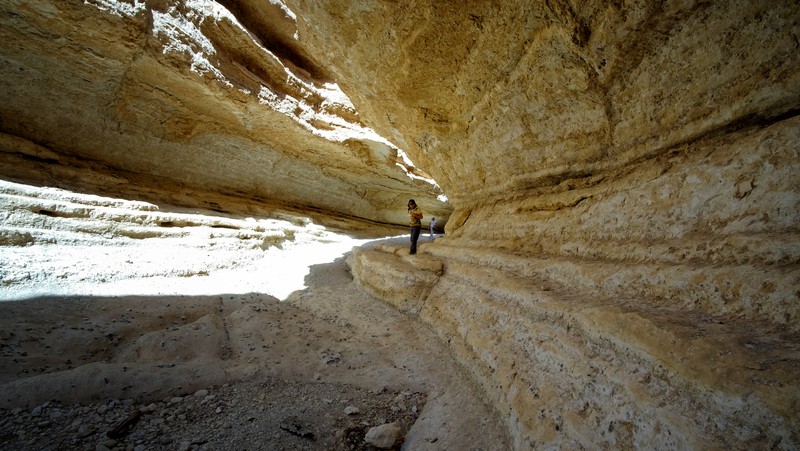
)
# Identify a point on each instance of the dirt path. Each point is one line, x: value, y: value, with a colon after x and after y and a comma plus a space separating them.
x: 232, y: 372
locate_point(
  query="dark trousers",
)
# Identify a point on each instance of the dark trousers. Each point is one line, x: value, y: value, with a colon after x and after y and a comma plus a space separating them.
x: 414, y: 237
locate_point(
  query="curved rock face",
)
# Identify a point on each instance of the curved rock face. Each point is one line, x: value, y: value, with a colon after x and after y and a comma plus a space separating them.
x: 190, y: 98
x: 620, y: 267
x: 494, y: 98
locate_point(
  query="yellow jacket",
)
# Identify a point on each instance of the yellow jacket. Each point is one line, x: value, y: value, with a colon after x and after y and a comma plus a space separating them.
x: 415, y: 217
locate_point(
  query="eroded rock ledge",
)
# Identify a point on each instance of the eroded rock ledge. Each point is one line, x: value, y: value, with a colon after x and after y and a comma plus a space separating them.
x: 610, y: 333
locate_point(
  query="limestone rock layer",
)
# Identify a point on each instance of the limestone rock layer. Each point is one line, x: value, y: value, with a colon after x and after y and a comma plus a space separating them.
x: 620, y: 267
x: 493, y: 98
x: 592, y: 335
x: 183, y: 97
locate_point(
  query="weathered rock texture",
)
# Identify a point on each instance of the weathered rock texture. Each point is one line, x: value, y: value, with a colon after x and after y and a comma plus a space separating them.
x: 184, y: 97
x: 621, y: 266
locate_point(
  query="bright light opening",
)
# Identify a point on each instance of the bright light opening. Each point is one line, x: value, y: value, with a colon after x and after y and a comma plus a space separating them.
x: 61, y: 243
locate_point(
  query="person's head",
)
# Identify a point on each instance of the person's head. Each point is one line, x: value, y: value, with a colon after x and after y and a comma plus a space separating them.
x: 411, y: 204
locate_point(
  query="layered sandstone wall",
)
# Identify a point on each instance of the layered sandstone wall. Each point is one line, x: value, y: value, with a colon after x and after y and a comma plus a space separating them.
x: 658, y: 309
x: 504, y: 96
x: 185, y: 95
x: 621, y: 268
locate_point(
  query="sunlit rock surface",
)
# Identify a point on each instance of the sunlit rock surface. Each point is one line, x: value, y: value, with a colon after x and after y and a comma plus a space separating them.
x: 186, y: 100
x: 60, y: 243
x: 620, y: 269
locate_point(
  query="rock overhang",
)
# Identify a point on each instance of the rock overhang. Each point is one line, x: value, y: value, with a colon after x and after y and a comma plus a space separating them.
x: 186, y: 95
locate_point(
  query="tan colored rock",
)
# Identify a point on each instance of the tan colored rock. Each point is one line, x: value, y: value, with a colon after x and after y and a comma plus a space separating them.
x: 187, y: 96
x: 383, y: 436
x: 621, y: 266
x: 625, y: 238
x: 15, y: 144
x: 495, y: 98
x: 404, y: 283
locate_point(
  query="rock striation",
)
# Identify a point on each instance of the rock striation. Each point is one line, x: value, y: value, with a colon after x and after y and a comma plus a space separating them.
x: 621, y: 267
x: 621, y: 261
x: 183, y: 97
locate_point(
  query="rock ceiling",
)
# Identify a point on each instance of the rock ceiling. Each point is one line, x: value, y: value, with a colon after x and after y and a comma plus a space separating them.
x: 314, y: 104
x: 190, y: 98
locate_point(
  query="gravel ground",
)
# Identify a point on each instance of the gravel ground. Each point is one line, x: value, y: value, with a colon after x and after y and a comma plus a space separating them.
x: 268, y: 414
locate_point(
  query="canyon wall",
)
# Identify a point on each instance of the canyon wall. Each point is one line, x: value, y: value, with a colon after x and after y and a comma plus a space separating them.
x: 655, y: 310
x: 620, y: 268
x: 184, y: 99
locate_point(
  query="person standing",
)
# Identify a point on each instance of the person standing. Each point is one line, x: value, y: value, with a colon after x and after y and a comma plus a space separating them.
x: 415, y: 221
x: 432, y: 226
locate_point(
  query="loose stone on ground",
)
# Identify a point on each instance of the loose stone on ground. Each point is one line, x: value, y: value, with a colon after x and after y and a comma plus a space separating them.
x: 285, y: 415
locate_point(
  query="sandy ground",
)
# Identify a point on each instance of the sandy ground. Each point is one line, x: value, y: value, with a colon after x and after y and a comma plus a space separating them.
x: 208, y: 332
